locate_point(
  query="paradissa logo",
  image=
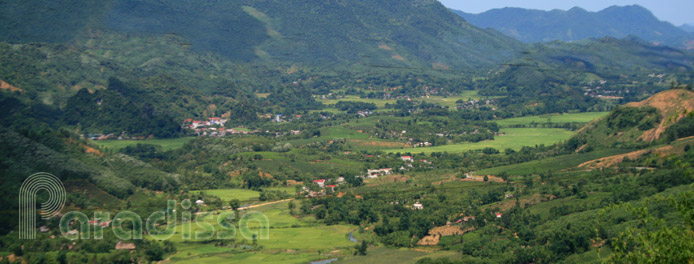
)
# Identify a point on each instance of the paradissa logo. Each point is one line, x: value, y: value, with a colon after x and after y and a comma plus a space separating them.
x: 126, y: 225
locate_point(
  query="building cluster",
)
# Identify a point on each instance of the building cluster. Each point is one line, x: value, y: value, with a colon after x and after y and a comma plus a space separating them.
x: 323, y: 187
x: 211, y: 122
x: 476, y: 104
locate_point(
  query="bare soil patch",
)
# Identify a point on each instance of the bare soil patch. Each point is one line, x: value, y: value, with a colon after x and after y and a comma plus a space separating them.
x: 7, y: 86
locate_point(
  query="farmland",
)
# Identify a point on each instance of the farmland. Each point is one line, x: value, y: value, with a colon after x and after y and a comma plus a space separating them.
x: 552, y: 118
x: 550, y: 164
x: 513, y: 138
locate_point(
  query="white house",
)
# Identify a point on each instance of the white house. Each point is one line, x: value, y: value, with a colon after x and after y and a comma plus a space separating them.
x: 417, y: 206
x: 379, y: 172
x: 321, y: 182
x: 200, y: 202
x: 406, y: 158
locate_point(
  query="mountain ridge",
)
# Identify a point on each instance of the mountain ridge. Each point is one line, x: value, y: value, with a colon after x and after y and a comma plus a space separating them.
x: 575, y: 24
x: 422, y: 34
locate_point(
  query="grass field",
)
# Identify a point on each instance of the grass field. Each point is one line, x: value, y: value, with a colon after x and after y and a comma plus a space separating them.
x: 353, y: 98
x: 440, y: 100
x: 396, y: 256
x: 254, y: 257
x: 513, y: 138
x: 166, y: 144
x: 291, y: 240
x: 230, y: 194
x: 553, y: 163
x: 553, y: 118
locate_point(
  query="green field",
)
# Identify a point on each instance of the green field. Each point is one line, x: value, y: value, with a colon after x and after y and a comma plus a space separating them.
x: 551, y: 164
x: 553, y: 118
x: 397, y: 256
x: 513, y: 138
x: 166, y: 144
x: 353, y: 98
x: 230, y: 194
x: 254, y: 257
x: 440, y: 100
x: 243, y: 194
x: 302, y: 236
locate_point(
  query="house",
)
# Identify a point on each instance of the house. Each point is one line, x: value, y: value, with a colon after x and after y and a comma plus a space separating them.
x: 200, y: 203
x: 296, y: 132
x: 332, y: 187
x: 406, y: 158
x: 216, y: 121
x: 321, y: 182
x: 340, y: 179
x: 379, y: 172
x: 499, y: 215
x: 44, y: 229
x: 196, y: 124
x: 417, y: 206
x: 126, y: 246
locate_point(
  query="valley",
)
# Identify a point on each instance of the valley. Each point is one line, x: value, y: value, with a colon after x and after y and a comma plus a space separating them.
x: 331, y: 132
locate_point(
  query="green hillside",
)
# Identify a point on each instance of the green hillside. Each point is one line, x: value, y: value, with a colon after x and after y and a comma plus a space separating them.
x: 413, y: 33
x: 640, y: 124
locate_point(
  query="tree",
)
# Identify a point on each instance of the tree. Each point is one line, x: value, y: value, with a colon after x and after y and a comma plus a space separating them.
x: 235, y: 204
x: 361, y: 249
x: 655, y: 241
x: 62, y: 257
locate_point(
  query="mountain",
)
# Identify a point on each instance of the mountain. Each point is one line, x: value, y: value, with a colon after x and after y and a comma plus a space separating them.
x: 687, y: 27
x: 663, y: 117
x: 576, y: 24
x: 410, y: 33
x: 559, y: 76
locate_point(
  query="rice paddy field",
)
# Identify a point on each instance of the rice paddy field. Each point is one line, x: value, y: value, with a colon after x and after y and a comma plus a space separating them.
x: 448, y: 101
x: 513, y: 138
x: 553, y: 118
x: 243, y: 194
x: 289, y: 239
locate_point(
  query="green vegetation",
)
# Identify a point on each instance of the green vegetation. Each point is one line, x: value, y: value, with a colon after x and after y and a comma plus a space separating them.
x: 552, y: 118
x: 550, y: 164
x: 358, y: 129
x: 165, y: 144
x: 511, y: 138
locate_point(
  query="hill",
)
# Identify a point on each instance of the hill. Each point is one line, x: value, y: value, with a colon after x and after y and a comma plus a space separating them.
x: 662, y: 118
x: 687, y: 27
x: 576, y: 24
x: 578, y: 75
x: 412, y: 33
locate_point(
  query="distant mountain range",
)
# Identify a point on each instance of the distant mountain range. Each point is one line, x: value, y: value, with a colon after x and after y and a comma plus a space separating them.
x: 576, y: 24
x: 687, y: 27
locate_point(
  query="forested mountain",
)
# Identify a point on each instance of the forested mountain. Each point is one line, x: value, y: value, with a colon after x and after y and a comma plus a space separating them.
x: 558, y: 76
x: 575, y: 24
x: 419, y: 33
x: 687, y: 27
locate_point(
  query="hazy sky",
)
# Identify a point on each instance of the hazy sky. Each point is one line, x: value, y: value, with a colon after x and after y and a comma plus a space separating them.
x: 676, y: 12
